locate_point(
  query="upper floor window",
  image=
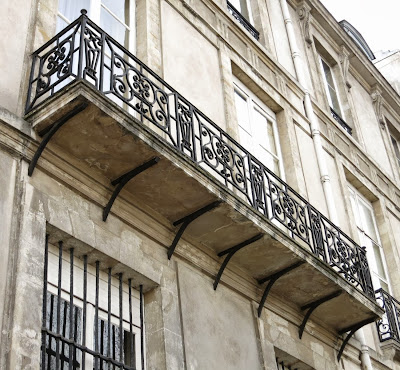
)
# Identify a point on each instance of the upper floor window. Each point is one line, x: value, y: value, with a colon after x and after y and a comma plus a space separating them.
x: 330, y: 87
x: 258, y: 131
x: 396, y: 147
x: 369, y: 238
x: 116, y: 17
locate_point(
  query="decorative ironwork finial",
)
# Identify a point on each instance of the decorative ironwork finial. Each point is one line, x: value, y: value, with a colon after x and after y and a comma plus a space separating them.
x: 83, y: 11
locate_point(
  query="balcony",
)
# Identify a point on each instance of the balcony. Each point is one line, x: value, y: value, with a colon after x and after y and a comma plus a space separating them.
x: 243, y: 21
x: 99, y: 107
x: 389, y: 325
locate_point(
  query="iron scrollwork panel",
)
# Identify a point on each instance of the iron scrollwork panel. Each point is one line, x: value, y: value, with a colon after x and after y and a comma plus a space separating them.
x: 185, y: 126
x: 52, y: 64
x: 138, y: 91
x: 389, y: 325
x: 259, y: 199
x: 342, y: 257
x: 286, y: 209
x: 222, y: 158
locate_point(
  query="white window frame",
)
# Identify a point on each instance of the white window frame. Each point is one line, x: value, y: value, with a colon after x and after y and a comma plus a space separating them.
x: 326, y: 86
x: 52, y: 287
x: 255, y: 103
x: 94, y: 13
x: 376, y: 278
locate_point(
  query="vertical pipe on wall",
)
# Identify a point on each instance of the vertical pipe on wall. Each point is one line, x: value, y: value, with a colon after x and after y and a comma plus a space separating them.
x: 314, y: 125
x: 316, y: 136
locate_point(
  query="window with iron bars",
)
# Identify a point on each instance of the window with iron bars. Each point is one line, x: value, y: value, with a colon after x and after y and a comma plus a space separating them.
x: 281, y: 365
x: 92, y: 317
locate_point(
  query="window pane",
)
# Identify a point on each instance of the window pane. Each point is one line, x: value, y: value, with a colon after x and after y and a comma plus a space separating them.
x: 355, y: 209
x: 334, y: 100
x: 379, y: 262
x: 368, y: 221
x: 260, y: 128
x: 331, y: 91
x: 246, y: 140
x: 113, y: 27
x: 271, y: 138
x: 61, y: 24
x: 395, y: 147
x: 242, y: 112
x: 71, y: 9
x: 119, y: 8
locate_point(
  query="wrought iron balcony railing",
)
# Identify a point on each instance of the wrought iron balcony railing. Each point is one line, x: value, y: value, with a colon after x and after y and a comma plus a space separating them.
x: 341, y: 122
x: 84, y: 51
x: 389, y: 326
x: 243, y: 21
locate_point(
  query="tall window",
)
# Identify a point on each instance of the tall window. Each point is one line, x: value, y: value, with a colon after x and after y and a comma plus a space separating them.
x: 369, y: 238
x: 92, y: 318
x: 116, y: 17
x: 258, y: 131
x: 396, y: 147
x: 330, y: 87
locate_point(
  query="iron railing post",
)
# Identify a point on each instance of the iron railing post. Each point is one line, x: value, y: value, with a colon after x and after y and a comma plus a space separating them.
x: 83, y: 21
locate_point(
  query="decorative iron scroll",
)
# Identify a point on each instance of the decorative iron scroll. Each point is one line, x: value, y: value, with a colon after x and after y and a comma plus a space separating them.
x: 84, y: 51
x: 389, y: 325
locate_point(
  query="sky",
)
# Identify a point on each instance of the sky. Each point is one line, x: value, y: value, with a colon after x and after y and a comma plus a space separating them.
x: 377, y: 21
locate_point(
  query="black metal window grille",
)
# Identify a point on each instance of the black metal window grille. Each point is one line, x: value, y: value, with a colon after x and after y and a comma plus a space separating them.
x: 52, y: 346
x: 341, y: 122
x: 280, y: 365
x: 79, y: 52
x: 90, y: 317
x: 242, y: 20
x: 389, y: 325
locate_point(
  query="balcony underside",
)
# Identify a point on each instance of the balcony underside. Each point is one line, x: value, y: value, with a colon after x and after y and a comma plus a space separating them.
x: 108, y: 142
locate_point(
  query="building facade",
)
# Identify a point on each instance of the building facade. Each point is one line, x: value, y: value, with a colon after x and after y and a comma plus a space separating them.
x: 196, y: 184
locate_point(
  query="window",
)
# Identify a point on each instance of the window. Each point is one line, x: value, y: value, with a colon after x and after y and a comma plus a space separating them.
x: 396, y: 147
x: 258, y: 131
x: 243, y: 7
x: 369, y: 238
x: 92, y: 318
x: 116, y: 17
x: 284, y: 361
x: 330, y: 87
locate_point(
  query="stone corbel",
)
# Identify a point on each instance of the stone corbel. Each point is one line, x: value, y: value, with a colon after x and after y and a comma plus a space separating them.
x: 303, y: 11
x: 376, y: 96
x: 344, y: 64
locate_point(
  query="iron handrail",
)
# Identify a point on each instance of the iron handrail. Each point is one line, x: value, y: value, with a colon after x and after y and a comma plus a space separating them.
x: 84, y: 51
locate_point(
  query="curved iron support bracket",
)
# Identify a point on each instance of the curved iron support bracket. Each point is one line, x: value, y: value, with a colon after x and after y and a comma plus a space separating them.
x: 312, y: 306
x: 123, y: 180
x: 272, y: 279
x: 50, y: 133
x: 185, y: 221
x: 351, y: 331
x: 230, y: 252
